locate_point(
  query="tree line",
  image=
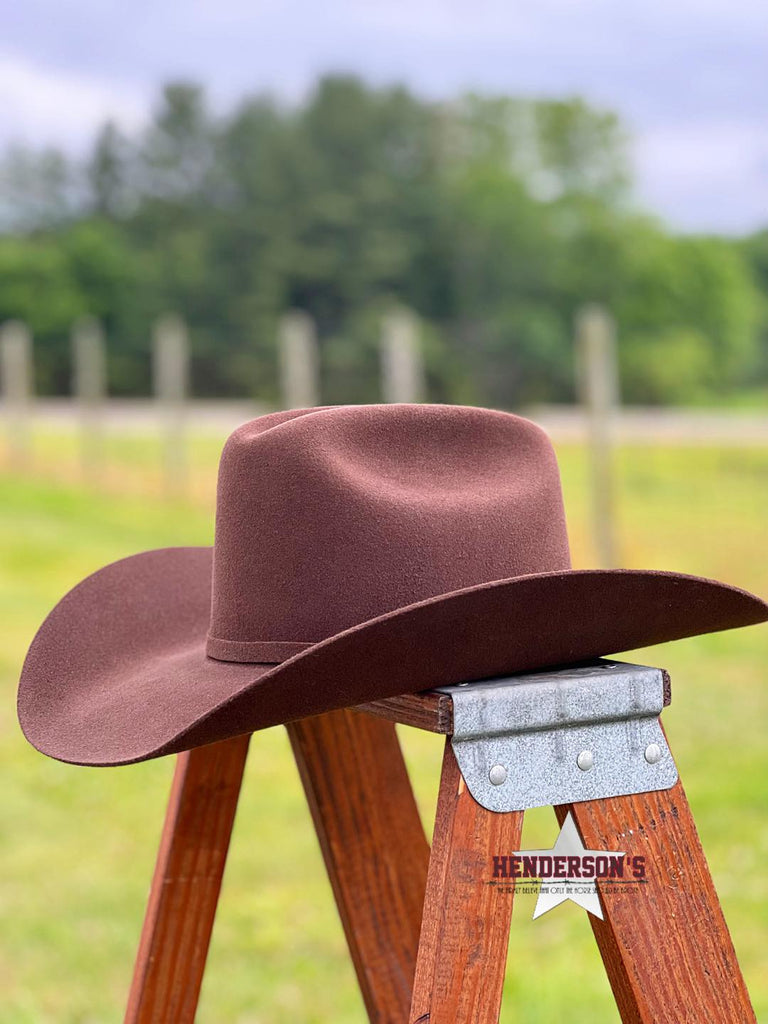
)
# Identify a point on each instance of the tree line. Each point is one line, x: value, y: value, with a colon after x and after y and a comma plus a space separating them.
x: 493, y: 218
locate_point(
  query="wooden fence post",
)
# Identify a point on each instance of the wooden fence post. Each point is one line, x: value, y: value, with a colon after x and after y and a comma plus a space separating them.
x: 299, y: 364
x: 170, y: 376
x: 89, y: 386
x: 16, y: 373
x: 402, y: 369
x: 599, y: 393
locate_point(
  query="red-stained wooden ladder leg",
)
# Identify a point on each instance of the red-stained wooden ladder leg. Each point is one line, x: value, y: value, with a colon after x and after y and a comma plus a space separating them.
x: 666, y: 949
x: 185, y: 888
x: 465, y: 927
x: 374, y: 847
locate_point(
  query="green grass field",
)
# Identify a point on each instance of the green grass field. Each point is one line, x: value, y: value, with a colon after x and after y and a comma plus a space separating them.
x: 77, y: 845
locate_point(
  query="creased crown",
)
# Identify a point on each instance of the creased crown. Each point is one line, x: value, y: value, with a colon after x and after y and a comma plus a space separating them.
x: 329, y: 517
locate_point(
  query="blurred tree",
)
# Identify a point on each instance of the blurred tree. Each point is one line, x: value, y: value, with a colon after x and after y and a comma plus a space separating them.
x: 494, y: 218
x: 108, y: 174
x: 581, y: 151
x: 755, y: 251
x: 667, y: 367
x: 684, y: 295
x: 555, y: 148
x: 39, y: 190
x: 178, y: 152
x: 37, y: 286
x: 506, y: 325
x: 113, y: 285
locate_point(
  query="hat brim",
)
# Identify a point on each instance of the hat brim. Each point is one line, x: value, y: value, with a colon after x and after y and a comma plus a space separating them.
x: 118, y: 671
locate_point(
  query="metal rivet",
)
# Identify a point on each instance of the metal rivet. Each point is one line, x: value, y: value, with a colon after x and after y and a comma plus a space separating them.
x: 585, y: 760
x: 497, y: 774
x: 653, y: 753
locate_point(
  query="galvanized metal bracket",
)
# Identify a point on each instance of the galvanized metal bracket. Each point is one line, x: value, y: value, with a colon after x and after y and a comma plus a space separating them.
x: 579, y: 733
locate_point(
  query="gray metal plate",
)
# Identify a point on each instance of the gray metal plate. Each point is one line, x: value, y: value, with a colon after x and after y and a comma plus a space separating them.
x: 535, y: 726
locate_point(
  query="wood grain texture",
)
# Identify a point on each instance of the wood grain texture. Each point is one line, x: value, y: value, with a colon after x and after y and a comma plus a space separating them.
x: 429, y: 710
x: 185, y: 888
x: 666, y: 949
x: 374, y: 847
x: 465, y: 928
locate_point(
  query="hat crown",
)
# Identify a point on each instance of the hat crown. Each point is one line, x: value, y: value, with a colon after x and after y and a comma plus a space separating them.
x: 329, y: 517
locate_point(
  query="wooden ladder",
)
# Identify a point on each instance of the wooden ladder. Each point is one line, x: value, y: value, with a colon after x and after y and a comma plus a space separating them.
x: 427, y: 934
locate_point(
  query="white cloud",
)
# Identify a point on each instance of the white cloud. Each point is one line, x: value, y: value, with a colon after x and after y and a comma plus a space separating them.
x: 712, y: 175
x: 43, y: 106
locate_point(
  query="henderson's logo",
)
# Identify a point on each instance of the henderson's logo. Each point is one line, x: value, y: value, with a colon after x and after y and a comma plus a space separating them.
x: 568, y: 871
x: 520, y: 865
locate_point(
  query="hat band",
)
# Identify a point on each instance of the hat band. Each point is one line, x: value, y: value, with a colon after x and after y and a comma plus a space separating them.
x: 258, y: 652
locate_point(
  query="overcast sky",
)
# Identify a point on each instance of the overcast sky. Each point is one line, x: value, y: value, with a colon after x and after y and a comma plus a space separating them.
x: 690, y: 77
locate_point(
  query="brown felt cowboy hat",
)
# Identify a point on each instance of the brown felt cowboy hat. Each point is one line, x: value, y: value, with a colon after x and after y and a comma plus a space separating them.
x: 360, y: 552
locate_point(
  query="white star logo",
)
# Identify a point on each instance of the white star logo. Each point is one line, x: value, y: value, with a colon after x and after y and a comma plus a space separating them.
x: 578, y: 886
